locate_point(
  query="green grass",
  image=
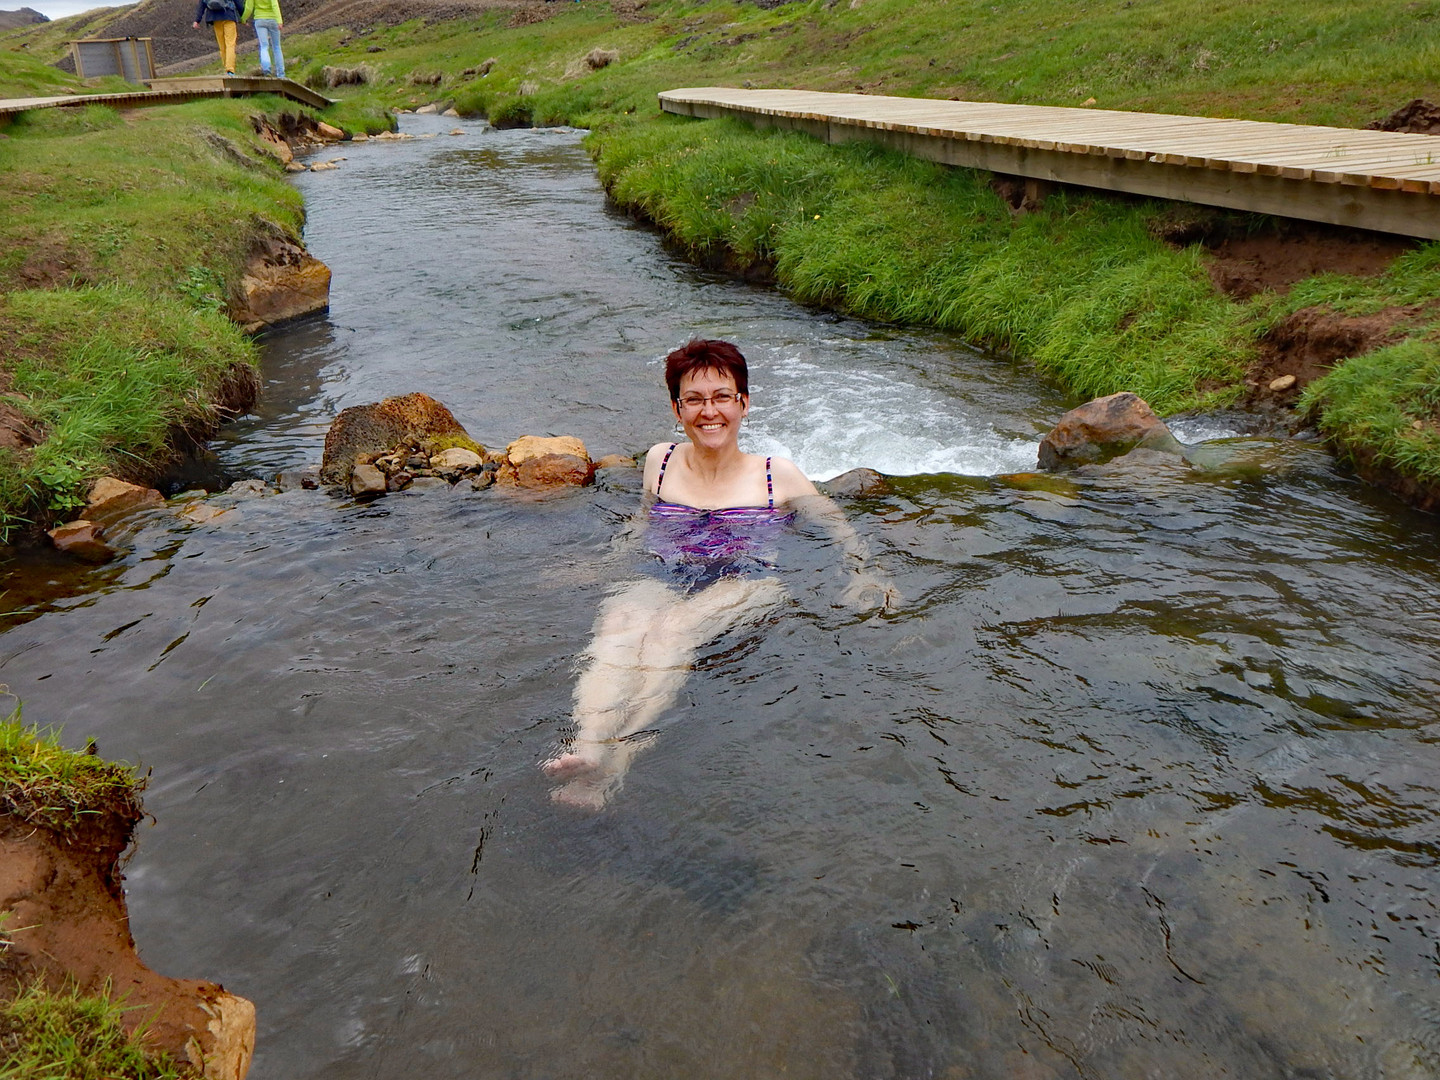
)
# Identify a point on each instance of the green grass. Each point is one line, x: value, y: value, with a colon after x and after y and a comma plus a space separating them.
x: 61, y: 1035
x: 44, y: 784
x: 1386, y: 404
x: 123, y: 238
x: 1081, y: 287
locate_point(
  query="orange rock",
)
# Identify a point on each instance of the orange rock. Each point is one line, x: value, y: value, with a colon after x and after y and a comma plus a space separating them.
x: 533, y: 461
x: 82, y: 539
x: 528, y: 446
x: 111, y: 500
x: 281, y: 281
x: 547, y: 471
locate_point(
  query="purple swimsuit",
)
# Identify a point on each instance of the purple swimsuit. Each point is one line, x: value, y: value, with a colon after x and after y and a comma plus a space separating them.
x: 697, y: 547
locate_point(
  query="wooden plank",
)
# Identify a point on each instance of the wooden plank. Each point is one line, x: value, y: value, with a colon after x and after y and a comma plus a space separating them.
x: 1320, y: 174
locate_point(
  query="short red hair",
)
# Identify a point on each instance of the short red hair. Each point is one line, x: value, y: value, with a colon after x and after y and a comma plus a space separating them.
x: 705, y: 355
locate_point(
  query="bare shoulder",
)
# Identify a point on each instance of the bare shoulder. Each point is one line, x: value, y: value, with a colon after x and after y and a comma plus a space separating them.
x: 654, y: 458
x: 790, y: 482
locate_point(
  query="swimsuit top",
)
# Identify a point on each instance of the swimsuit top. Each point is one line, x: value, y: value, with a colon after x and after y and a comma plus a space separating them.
x: 678, y: 532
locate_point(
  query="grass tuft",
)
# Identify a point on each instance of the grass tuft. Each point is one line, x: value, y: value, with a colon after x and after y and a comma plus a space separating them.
x: 62, y: 1035
x: 44, y: 784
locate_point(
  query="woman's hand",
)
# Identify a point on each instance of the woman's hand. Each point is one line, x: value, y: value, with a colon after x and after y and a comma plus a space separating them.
x: 195, y: 25
x: 868, y: 591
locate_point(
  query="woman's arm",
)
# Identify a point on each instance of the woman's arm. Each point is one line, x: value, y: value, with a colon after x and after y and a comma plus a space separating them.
x: 869, y: 587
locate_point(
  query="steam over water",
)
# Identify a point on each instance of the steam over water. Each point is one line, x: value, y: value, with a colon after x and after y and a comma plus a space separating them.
x: 1141, y: 781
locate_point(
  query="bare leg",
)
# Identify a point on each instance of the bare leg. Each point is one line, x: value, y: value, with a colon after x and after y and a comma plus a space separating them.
x: 645, y: 641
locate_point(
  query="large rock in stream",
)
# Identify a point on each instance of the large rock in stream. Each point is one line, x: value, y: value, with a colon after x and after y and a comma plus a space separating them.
x: 367, y: 431
x: 1103, y: 429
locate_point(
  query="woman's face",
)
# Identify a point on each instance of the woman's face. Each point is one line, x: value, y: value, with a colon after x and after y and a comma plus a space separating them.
x: 706, y: 422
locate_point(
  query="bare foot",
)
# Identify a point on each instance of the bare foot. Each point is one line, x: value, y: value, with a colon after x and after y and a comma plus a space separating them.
x: 567, y: 765
x: 584, y: 794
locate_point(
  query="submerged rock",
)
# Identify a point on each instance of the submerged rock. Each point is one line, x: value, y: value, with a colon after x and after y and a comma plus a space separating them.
x: 1105, y: 428
x: 858, y: 484
x: 82, y: 539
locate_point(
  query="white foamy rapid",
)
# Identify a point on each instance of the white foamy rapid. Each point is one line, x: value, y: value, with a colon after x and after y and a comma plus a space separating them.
x: 832, y: 418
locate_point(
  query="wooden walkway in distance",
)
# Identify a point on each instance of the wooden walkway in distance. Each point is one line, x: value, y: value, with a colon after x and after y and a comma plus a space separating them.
x: 175, y: 91
x: 1380, y: 180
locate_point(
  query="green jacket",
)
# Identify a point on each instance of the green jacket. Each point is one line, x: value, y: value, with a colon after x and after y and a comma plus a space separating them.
x: 262, y: 9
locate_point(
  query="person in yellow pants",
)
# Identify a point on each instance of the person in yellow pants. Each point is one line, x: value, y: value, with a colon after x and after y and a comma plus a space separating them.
x: 223, y: 18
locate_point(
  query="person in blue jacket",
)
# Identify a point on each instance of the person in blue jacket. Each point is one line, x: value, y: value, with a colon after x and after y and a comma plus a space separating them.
x: 222, y: 17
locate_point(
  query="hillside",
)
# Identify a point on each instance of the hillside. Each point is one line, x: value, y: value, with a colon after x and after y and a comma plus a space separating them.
x: 9, y: 20
x: 176, y: 44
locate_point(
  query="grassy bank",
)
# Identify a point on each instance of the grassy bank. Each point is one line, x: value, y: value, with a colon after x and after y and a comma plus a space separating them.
x: 1089, y: 287
x: 123, y: 236
x: 47, y: 1031
x: 43, y: 784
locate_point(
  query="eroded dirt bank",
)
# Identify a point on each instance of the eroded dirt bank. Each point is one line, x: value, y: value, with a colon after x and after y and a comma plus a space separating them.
x: 70, y: 925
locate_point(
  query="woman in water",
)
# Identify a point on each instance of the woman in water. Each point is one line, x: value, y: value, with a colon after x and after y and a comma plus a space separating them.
x: 713, y: 517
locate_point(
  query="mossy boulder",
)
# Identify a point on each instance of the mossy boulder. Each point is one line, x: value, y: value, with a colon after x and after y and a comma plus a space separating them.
x: 370, y: 430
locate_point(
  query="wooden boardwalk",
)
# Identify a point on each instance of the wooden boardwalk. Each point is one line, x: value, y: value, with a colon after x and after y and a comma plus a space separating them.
x: 1379, y: 180
x: 172, y: 92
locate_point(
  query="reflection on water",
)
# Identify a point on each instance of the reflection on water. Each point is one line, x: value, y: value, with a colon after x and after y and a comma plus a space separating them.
x: 1142, y: 781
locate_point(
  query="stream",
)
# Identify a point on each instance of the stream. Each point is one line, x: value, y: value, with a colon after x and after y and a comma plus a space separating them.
x: 1142, y: 780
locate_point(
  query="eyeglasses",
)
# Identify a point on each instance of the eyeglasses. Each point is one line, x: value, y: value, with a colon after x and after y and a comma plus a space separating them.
x: 720, y: 399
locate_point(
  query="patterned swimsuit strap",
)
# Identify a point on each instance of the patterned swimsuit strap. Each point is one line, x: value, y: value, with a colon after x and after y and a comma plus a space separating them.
x: 661, y: 478
x: 769, y: 480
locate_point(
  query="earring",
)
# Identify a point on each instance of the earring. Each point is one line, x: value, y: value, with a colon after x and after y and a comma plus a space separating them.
x: 679, y: 428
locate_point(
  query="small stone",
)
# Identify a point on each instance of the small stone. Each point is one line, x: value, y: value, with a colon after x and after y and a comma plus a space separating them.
x: 458, y: 131
x: 329, y: 131
x: 483, y: 480
x: 82, y: 540
x: 323, y: 166
x: 615, y: 461
x: 360, y: 136
x: 450, y: 112
x: 249, y: 488
x: 1284, y: 382
x: 399, y: 481
x: 427, y: 110
x: 1417, y: 425
x: 457, y: 458
x: 367, y: 482
x: 294, y: 167
x: 291, y: 479
x: 197, y: 513
x: 417, y: 461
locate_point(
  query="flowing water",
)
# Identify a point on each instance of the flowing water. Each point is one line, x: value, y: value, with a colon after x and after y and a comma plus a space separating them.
x: 1143, y: 780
